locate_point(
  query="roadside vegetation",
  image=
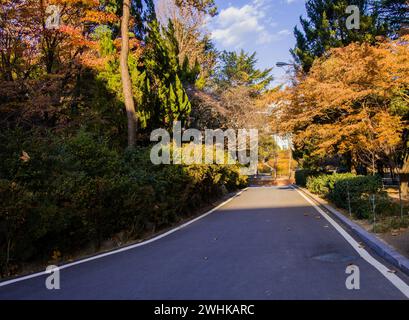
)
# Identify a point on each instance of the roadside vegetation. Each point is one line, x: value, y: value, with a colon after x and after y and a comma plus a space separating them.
x: 80, y: 95
x: 347, y: 108
x: 78, y: 102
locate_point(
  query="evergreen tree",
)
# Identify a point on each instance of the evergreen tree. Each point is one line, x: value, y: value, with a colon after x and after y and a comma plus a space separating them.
x: 326, y: 28
x: 395, y: 13
x: 239, y: 69
x: 162, y: 84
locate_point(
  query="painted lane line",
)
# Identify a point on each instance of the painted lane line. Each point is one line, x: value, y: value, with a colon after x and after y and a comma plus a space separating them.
x: 393, y: 278
x: 140, y: 244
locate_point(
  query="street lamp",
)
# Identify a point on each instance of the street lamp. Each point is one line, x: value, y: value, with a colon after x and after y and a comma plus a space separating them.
x: 284, y: 64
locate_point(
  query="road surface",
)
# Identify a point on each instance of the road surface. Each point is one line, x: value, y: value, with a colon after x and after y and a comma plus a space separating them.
x: 267, y: 243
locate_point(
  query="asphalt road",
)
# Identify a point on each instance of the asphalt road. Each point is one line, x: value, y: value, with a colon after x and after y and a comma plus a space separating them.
x: 267, y: 243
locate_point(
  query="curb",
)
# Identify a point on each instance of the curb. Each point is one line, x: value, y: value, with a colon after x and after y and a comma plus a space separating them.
x: 136, y: 244
x: 381, y: 248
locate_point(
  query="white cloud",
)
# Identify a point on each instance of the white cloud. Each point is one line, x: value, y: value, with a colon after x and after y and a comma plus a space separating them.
x: 235, y: 27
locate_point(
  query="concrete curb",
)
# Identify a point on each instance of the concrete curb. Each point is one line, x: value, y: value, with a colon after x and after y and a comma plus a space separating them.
x: 373, y: 242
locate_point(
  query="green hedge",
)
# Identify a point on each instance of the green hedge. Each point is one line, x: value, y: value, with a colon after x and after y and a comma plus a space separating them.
x: 324, y: 183
x: 78, y: 190
x: 336, y: 187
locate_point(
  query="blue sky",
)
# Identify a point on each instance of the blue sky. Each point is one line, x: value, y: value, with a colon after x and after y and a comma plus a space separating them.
x: 265, y: 26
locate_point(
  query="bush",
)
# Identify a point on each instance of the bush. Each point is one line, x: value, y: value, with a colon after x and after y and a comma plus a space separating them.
x: 301, y: 176
x: 338, y: 188
x: 360, y: 188
x: 324, y: 183
x: 77, y: 190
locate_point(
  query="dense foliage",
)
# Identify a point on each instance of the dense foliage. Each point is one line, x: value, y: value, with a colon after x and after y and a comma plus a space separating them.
x: 78, y: 101
x: 349, y: 191
x: 351, y: 110
x: 326, y: 27
x: 61, y: 193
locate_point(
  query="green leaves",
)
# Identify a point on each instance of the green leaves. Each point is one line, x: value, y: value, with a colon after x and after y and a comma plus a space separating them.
x: 326, y: 28
x: 80, y: 191
x: 239, y: 69
x: 340, y: 187
x: 168, y: 99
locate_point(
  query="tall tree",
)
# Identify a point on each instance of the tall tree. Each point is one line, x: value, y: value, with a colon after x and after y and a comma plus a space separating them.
x: 142, y: 13
x: 186, y: 19
x: 168, y: 100
x: 353, y: 103
x: 395, y: 13
x: 125, y: 77
x: 239, y: 69
x: 325, y: 27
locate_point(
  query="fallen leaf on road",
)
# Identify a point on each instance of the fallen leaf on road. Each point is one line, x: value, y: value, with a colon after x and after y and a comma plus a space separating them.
x: 392, y: 271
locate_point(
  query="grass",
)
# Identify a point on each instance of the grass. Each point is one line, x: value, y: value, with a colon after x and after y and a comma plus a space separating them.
x: 391, y: 223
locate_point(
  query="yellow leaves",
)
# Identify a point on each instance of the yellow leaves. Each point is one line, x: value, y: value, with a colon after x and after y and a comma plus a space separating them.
x: 344, y: 103
x: 388, y: 128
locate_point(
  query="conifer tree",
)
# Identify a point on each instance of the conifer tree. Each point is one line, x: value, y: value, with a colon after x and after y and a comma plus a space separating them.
x: 325, y: 27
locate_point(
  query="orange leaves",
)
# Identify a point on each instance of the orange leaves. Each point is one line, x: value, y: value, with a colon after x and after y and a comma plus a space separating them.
x: 75, y: 2
x: 100, y: 17
x: 344, y: 103
x: 76, y: 37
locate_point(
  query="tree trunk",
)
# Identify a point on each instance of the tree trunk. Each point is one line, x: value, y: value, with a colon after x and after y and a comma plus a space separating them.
x: 404, y: 177
x: 125, y: 77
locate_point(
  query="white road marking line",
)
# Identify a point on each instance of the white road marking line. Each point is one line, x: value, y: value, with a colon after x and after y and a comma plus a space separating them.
x: 68, y: 265
x: 393, y: 278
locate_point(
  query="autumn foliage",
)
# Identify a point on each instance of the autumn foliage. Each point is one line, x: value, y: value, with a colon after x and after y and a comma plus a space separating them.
x: 352, y: 105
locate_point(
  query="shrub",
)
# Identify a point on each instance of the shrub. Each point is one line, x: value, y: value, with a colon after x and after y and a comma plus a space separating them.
x: 338, y: 188
x: 324, y: 183
x: 76, y: 190
x: 360, y: 188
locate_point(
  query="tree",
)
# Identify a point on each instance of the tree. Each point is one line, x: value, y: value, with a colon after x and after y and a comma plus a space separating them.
x: 394, y: 13
x: 185, y: 20
x: 168, y: 100
x: 353, y: 103
x: 326, y: 28
x: 125, y: 77
x: 239, y: 69
x: 135, y: 16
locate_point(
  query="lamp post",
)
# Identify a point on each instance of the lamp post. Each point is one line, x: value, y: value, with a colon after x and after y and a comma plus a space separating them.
x: 281, y: 64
